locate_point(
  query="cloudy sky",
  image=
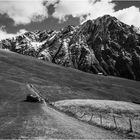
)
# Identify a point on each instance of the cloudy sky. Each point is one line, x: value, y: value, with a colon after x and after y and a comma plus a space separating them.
x: 18, y: 16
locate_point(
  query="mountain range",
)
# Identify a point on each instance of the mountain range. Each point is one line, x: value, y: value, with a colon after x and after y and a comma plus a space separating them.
x: 103, y: 46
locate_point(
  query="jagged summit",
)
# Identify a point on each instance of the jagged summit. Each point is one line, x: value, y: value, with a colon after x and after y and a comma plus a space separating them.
x: 104, y: 45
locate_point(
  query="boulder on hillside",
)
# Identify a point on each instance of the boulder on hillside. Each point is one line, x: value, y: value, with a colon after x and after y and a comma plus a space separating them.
x: 33, y: 98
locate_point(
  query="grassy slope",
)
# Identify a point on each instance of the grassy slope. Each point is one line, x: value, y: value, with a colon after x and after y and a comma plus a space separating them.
x: 53, y: 81
x: 102, y: 104
x: 104, y: 107
x: 60, y: 83
x: 105, y: 113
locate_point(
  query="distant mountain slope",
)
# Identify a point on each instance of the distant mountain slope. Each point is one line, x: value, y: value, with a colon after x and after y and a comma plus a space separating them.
x: 104, y: 45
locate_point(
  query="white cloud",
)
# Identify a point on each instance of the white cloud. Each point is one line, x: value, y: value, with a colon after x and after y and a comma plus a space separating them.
x: 79, y: 8
x: 5, y: 35
x: 101, y: 8
x: 75, y: 8
x: 130, y: 16
x: 23, y: 12
x: 94, y: 9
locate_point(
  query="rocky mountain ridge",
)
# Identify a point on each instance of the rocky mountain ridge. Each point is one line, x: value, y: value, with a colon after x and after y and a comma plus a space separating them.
x: 102, y: 46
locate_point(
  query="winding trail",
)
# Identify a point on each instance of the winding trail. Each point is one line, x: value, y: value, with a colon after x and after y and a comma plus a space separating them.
x: 59, y: 125
x: 41, y: 121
